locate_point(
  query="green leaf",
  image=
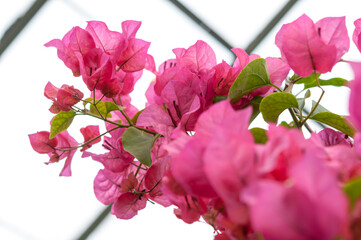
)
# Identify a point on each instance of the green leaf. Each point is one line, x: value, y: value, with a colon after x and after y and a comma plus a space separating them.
x: 61, y: 122
x: 336, y: 121
x: 135, y: 118
x: 319, y: 108
x: 336, y: 82
x: 86, y: 101
x: 353, y: 190
x: 274, y: 104
x: 287, y: 125
x: 252, y: 76
x: 139, y: 144
x: 259, y: 135
x: 301, y: 101
x: 219, y: 98
x: 101, y: 108
x: 310, y: 82
x: 255, y: 107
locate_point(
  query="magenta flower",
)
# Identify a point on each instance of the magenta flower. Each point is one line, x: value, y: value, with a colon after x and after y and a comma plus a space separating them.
x: 63, y: 98
x: 111, y: 42
x: 77, y: 40
x: 90, y: 132
x: 311, y: 205
x: 356, y: 37
x: 56, y: 148
x: 41, y: 143
x: 309, y: 47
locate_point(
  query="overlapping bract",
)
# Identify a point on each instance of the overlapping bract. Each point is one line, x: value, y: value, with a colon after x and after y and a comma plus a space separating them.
x: 204, y: 158
x: 313, y: 47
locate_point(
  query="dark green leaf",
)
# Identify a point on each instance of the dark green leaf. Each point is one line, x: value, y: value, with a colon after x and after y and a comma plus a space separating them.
x: 255, y: 107
x: 252, y: 76
x: 139, y: 144
x: 310, y: 82
x: 353, y: 190
x: 135, y: 118
x: 336, y: 121
x: 274, y: 104
x: 61, y: 122
x: 336, y: 82
x: 259, y: 135
x: 219, y: 98
x: 287, y: 125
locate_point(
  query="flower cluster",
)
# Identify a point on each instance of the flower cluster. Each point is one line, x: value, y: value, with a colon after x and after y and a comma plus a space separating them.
x: 192, y: 147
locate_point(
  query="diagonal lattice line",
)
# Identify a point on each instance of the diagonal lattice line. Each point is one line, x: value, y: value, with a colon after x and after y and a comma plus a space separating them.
x: 13, y: 31
x: 266, y: 30
x: 202, y: 24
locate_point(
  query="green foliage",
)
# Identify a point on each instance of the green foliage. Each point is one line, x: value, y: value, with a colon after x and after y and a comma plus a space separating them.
x: 139, y: 144
x: 252, y: 76
x: 336, y: 121
x: 274, y: 104
x: 61, y: 122
x: 353, y: 190
x: 259, y: 135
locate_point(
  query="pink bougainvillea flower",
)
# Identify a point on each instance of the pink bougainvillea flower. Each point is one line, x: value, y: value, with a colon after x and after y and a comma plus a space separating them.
x: 300, y: 208
x: 41, y: 143
x: 63, y: 98
x: 190, y: 208
x: 355, y: 96
x: 111, y: 42
x: 223, y: 78
x: 309, y: 47
x: 197, y: 58
x: 106, y: 186
x: 77, y: 40
x: 283, y: 148
x: 128, y: 205
x: 90, y: 132
x: 331, y: 137
x: 118, y: 188
x: 356, y: 37
x: 66, y: 141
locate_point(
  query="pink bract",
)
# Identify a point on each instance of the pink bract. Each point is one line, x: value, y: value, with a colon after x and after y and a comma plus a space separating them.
x: 309, y: 47
x: 356, y: 36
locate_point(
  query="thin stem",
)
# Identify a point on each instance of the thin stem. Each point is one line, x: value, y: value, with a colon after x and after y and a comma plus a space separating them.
x: 279, y: 89
x: 136, y: 173
x: 87, y: 142
x: 295, y: 120
x: 317, y: 103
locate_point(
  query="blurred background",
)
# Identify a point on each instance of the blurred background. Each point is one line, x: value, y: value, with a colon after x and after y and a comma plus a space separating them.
x: 35, y: 203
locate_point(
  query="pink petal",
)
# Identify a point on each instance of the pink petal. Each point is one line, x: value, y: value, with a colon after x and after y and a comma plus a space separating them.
x: 128, y: 205
x: 242, y: 58
x: 303, y: 48
x: 355, y: 96
x: 134, y: 57
x: 333, y: 31
x: 41, y: 143
x: 107, y: 186
x: 112, y: 43
x: 130, y: 28
x: 356, y: 36
x: 90, y: 132
x: 198, y: 57
x: 50, y: 91
x: 187, y: 169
